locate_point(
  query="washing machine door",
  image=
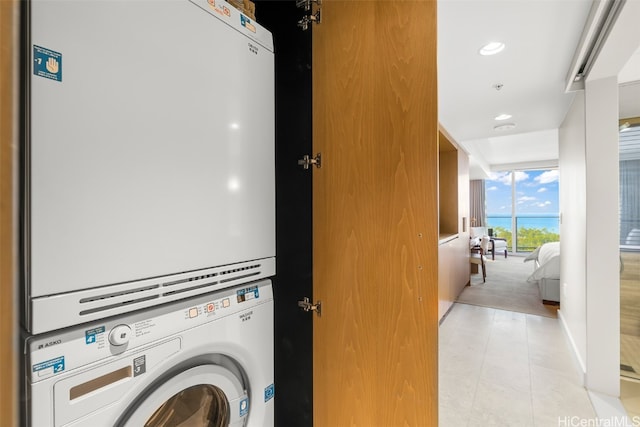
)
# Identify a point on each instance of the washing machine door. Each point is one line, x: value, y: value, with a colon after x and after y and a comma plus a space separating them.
x: 203, y: 396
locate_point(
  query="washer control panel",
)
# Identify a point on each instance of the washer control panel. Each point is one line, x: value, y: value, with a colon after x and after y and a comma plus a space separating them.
x: 56, y: 353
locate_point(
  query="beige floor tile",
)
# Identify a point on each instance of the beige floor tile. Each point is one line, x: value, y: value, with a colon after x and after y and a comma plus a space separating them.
x: 545, y: 331
x: 458, y: 366
x: 558, y: 395
x: 475, y: 344
x: 503, y: 352
x: 509, y: 320
x: 457, y: 394
x: 453, y: 416
x: 554, y: 357
x: 509, y: 376
x: 501, y: 405
x: 490, y: 419
x: 499, y: 368
x: 471, y: 316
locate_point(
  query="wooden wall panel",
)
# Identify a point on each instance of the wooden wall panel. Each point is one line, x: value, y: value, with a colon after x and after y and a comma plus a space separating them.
x: 462, y: 273
x: 448, y: 192
x: 375, y: 214
x: 447, y: 273
x: 8, y: 308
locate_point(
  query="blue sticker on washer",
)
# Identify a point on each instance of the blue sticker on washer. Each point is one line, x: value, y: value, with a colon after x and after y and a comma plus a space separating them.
x: 57, y: 364
x: 47, y: 63
x: 244, y: 407
x: 90, y: 334
x: 269, y: 391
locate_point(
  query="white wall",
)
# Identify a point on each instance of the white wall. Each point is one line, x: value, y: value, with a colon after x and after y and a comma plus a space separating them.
x: 590, y: 265
x: 573, y: 293
x: 602, y: 241
x: 629, y: 94
x: 590, y: 291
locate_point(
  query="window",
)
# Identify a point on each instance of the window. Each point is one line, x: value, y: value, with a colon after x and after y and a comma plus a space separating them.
x: 525, y: 201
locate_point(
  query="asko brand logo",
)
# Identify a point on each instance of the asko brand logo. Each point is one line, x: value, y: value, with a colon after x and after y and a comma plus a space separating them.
x: 49, y: 344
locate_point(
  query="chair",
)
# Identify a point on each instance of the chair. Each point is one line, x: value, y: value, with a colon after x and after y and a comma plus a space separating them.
x: 496, y: 243
x: 477, y: 254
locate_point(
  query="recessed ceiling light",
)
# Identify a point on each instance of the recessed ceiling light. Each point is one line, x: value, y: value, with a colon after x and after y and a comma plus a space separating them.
x: 491, y: 48
x: 504, y: 127
x: 503, y: 117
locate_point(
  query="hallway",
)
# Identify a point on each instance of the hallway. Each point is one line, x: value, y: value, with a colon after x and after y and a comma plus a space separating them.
x: 501, y: 368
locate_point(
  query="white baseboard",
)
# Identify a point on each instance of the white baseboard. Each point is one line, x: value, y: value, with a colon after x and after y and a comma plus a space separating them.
x: 574, y: 349
x: 610, y: 411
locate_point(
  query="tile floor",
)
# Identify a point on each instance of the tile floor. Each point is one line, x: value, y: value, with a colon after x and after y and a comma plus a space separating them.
x: 500, y: 368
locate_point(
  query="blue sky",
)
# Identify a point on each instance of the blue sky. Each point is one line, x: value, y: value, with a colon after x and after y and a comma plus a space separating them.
x: 536, y: 192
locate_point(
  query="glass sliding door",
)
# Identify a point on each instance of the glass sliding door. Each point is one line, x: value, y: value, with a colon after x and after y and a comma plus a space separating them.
x: 527, y: 202
x: 498, y: 189
x: 536, y: 209
x: 629, y: 150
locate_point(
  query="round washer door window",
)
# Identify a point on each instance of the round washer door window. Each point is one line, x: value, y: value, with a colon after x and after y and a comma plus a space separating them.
x: 199, y: 405
x: 204, y: 396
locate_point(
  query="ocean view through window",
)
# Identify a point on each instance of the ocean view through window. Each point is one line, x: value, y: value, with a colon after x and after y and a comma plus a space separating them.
x: 526, y: 201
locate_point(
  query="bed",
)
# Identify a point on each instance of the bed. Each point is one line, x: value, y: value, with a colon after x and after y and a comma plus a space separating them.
x: 546, y: 270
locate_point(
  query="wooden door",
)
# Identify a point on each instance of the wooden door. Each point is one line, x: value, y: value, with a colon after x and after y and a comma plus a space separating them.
x: 8, y: 155
x: 375, y: 214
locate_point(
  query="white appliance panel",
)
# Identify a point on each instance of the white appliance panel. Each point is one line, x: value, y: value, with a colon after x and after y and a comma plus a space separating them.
x: 78, y: 377
x: 153, y: 153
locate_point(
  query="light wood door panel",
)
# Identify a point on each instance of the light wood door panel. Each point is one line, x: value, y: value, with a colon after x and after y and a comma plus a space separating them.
x: 375, y: 214
x: 8, y: 307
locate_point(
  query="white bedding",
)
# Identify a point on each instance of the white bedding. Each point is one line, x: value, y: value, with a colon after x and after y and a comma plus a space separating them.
x: 548, y: 261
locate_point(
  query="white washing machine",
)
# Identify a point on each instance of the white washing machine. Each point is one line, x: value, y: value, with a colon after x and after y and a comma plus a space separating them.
x: 204, y: 361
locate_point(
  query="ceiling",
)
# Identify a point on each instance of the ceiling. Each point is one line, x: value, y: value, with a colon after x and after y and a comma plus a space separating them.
x: 527, y: 79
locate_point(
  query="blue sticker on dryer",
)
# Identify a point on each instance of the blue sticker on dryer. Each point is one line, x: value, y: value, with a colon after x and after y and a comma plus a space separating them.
x: 47, y: 63
x: 246, y: 22
x: 247, y: 294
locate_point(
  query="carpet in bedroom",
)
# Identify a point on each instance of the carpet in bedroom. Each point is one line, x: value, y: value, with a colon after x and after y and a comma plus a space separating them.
x: 507, y: 288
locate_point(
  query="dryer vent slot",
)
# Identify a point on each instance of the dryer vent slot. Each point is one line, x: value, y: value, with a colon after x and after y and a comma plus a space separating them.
x: 240, y: 270
x: 120, y: 304
x: 117, y: 294
x: 190, y: 279
x: 181, y: 290
x: 244, y: 276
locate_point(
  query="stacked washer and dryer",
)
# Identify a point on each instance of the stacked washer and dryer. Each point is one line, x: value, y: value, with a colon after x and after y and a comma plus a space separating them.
x: 148, y: 225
